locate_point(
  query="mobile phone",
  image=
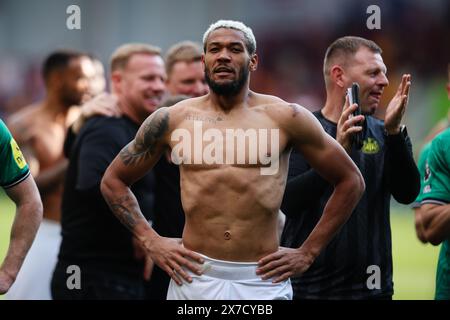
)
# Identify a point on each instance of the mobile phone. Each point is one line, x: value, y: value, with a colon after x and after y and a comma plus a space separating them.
x: 353, y: 97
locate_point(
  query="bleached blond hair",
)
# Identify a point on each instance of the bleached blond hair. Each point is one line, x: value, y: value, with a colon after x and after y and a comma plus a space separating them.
x: 250, y: 41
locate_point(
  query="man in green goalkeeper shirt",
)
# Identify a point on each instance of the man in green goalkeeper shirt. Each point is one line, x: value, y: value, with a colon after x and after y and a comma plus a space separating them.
x: 19, y: 185
x: 434, y: 214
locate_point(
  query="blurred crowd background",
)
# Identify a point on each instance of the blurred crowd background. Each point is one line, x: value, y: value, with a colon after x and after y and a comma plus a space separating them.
x: 292, y: 37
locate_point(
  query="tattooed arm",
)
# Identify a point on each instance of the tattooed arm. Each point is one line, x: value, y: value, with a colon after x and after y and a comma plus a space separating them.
x: 132, y: 163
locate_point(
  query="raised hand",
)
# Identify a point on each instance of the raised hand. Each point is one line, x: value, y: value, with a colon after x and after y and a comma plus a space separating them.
x: 397, y: 107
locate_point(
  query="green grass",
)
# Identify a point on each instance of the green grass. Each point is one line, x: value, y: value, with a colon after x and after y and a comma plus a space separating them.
x: 414, y: 262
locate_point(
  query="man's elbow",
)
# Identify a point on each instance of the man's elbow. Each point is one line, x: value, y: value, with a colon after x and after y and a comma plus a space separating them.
x: 39, y: 209
x: 407, y: 196
x: 359, y: 184
x: 105, y: 185
x: 35, y: 209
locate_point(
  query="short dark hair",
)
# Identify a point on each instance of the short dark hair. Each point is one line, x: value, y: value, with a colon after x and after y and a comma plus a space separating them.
x: 59, y: 60
x: 345, y: 47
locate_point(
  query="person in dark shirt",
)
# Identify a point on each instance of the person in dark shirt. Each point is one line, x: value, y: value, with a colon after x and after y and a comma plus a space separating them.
x: 357, y: 264
x: 92, y: 239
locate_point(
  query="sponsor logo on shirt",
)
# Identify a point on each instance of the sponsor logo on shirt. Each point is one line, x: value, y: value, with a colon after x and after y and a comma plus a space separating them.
x: 427, y: 189
x: 370, y: 146
x: 17, y: 154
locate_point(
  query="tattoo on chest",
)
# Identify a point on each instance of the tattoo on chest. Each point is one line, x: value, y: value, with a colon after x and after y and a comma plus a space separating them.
x: 202, y: 118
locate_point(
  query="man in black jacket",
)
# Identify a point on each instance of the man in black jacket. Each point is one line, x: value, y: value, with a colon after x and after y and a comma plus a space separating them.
x: 357, y: 264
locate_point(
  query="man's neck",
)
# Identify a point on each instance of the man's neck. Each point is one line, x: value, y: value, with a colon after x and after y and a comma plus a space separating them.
x: 54, y: 104
x: 128, y: 111
x: 227, y: 103
x: 333, y: 106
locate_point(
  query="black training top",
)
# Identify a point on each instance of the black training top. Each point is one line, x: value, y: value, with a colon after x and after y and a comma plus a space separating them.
x: 91, y: 234
x: 169, y: 215
x: 363, y: 246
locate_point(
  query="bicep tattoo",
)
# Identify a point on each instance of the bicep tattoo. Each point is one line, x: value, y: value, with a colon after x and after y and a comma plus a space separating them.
x: 147, y: 138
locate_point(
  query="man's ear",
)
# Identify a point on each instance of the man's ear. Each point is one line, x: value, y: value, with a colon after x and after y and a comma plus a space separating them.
x: 116, y: 80
x: 203, y: 61
x: 253, y: 62
x: 337, y: 76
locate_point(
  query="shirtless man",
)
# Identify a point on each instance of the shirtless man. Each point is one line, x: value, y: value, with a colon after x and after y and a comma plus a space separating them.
x: 230, y: 247
x: 40, y: 130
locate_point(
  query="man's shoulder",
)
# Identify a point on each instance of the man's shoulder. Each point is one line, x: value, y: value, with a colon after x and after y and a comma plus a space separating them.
x: 440, y: 146
x: 5, y: 135
x: 182, y: 109
x: 443, y: 138
x: 24, y: 118
x: 283, y: 111
x: 187, y: 105
x: 106, y: 125
x: 266, y: 99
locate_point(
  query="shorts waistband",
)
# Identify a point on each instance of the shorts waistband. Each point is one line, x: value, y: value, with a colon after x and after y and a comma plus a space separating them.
x: 228, y: 270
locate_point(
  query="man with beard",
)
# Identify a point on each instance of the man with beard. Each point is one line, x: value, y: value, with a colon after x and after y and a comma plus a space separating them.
x: 92, y: 239
x: 357, y: 264
x: 229, y: 248
x: 40, y: 130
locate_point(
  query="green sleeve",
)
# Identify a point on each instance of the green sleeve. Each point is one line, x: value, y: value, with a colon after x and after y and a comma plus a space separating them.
x: 437, y: 185
x: 422, y: 165
x: 13, y: 168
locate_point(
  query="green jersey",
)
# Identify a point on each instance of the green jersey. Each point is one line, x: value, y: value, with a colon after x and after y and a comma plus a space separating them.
x: 436, y: 189
x: 424, y: 171
x: 13, y: 167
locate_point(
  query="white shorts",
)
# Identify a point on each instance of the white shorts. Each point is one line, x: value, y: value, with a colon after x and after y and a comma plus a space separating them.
x: 226, y: 280
x: 33, y: 280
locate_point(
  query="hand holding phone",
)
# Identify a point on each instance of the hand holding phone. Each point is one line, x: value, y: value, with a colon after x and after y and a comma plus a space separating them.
x: 353, y: 97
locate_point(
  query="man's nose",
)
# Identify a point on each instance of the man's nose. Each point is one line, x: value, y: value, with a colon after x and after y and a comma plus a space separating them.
x: 383, y: 80
x: 224, y: 55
